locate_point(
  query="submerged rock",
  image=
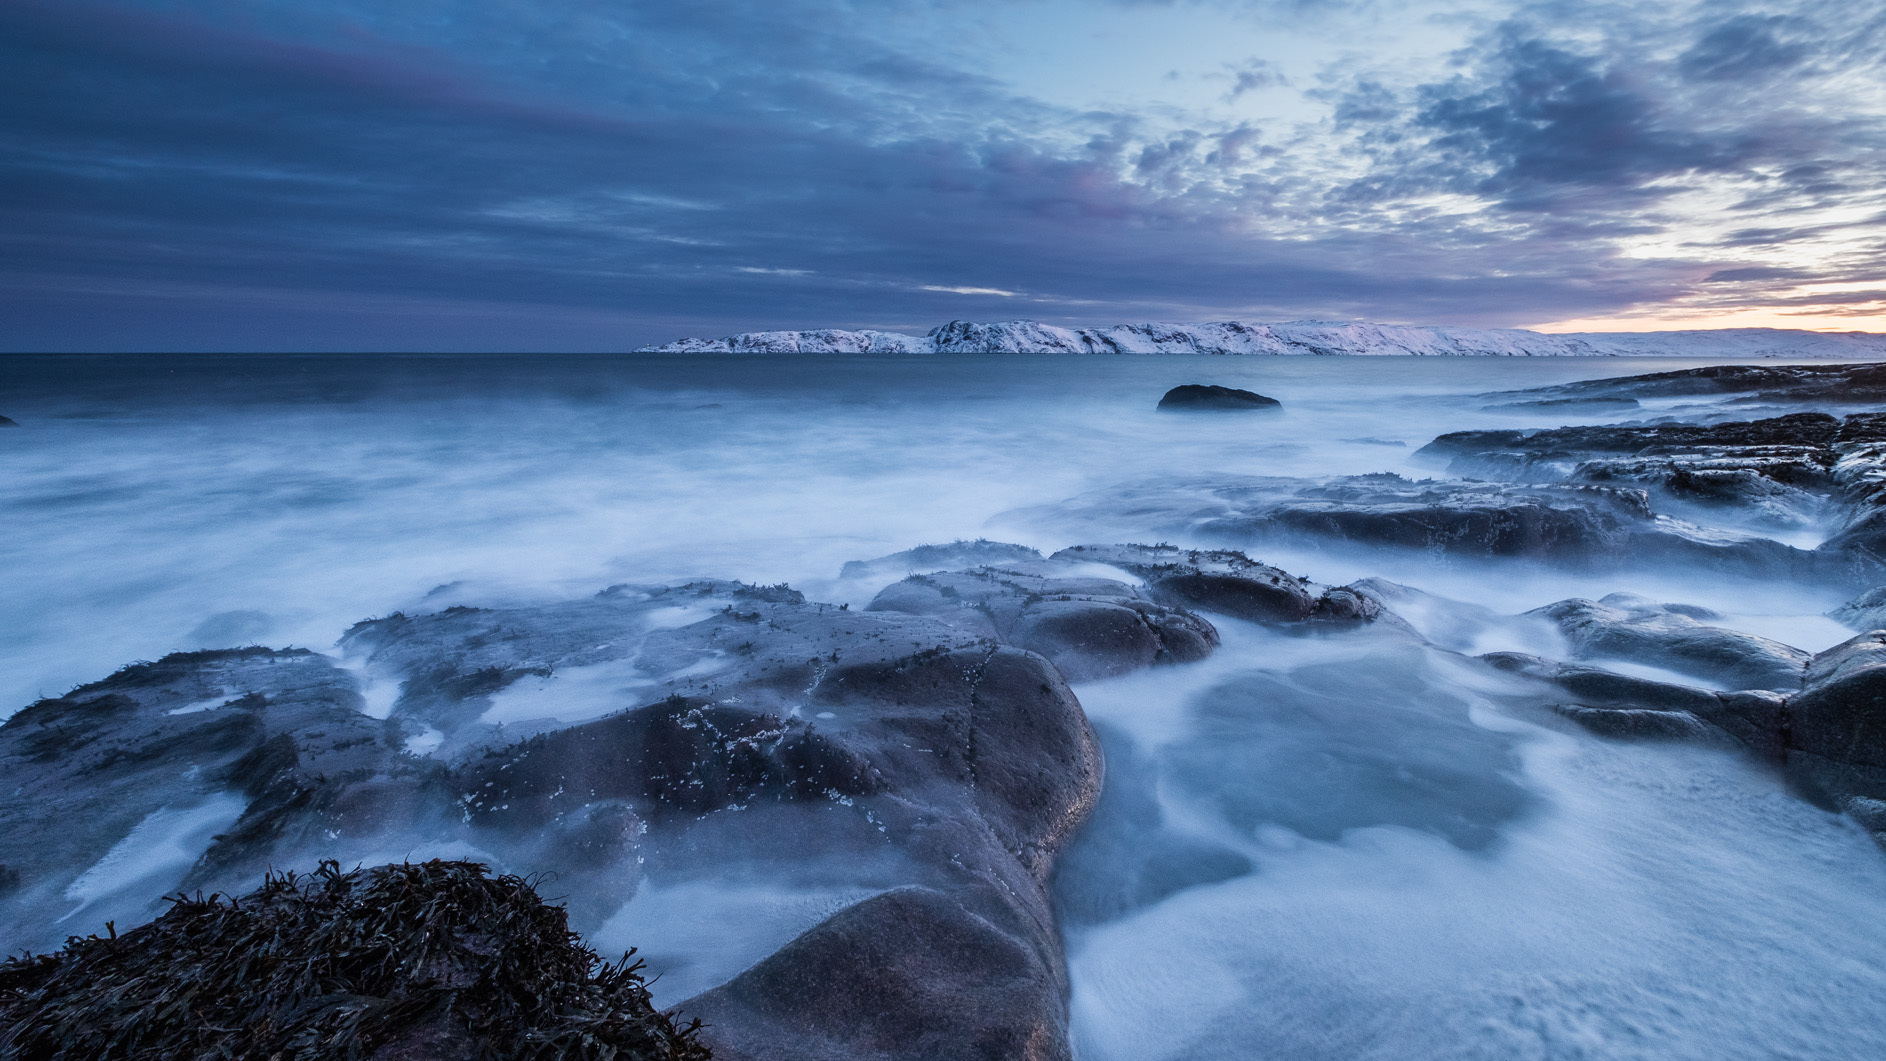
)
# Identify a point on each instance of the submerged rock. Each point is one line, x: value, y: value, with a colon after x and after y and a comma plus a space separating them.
x: 430, y: 961
x: 238, y: 750
x: 1199, y: 396
x: 954, y: 556
x: 1865, y: 612
x: 1829, y: 384
x: 1627, y: 707
x: 1627, y: 627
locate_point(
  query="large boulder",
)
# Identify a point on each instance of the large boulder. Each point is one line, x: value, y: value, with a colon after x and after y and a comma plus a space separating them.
x: 1837, y: 724
x: 664, y: 738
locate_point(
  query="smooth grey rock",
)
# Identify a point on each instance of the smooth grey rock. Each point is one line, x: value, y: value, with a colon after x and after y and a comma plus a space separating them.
x: 1865, y: 612
x: 1622, y: 626
x: 265, y: 746
x: 954, y: 556
x: 1087, y: 627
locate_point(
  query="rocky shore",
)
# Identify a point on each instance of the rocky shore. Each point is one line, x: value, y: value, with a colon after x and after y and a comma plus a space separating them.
x: 925, y: 754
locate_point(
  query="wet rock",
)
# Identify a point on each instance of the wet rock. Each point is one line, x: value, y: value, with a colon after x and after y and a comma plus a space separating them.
x: 1628, y: 707
x: 1228, y: 582
x: 1865, y: 612
x: 1630, y: 723
x: 1626, y: 627
x: 1860, y: 384
x: 1786, y: 472
x: 1087, y: 627
x: 955, y: 556
x: 237, y: 742
x: 1591, y: 526
x: 402, y: 963
x: 1569, y: 405
x: 1838, y: 720
x: 910, y: 973
x: 1216, y: 580
x: 692, y: 733
x: 1210, y: 397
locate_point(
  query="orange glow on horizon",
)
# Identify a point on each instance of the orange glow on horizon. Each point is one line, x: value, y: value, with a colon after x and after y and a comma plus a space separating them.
x: 1806, y: 319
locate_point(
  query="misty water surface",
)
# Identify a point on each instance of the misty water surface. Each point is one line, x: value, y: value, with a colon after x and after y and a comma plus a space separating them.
x: 1339, y: 847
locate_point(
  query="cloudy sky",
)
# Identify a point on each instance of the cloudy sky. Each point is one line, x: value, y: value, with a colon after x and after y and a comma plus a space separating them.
x: 599, y: 174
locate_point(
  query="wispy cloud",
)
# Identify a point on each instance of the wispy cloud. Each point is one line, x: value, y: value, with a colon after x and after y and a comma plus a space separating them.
x: 605, y: 174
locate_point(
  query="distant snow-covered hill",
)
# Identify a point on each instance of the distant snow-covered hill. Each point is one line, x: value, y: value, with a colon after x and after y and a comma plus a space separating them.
x: 1295, y: 337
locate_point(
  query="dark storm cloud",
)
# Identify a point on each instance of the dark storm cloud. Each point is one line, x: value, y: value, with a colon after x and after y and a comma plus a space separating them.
x: 585, y: 174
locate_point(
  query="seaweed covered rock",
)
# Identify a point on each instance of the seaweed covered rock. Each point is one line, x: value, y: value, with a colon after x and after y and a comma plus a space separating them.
x: 400, y: 963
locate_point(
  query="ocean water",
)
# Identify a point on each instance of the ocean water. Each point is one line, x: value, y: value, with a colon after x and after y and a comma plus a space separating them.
x: 1353, y: 846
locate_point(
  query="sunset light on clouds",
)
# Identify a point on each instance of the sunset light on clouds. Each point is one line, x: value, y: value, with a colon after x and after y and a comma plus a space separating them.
x: 591, y: 174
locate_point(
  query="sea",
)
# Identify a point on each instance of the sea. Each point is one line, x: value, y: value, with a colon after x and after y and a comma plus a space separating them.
x: 1377, y: 858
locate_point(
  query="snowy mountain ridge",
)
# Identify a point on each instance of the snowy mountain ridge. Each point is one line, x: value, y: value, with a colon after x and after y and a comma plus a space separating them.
x: 1293, y: 337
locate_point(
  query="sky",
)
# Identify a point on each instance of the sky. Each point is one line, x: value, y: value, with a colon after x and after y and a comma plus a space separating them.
x: 604, y: 174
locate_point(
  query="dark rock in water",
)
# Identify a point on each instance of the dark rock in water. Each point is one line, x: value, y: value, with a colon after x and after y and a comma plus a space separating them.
x: 1623, y: 626
x: 1212, y: 397
x: 910, y: 973
x: 1216, y: 580
x: 1840, y: 714
x: 5, y: 422
x: 1787, y: 471
x: 1570, y: 405
x: 1584, y: 525
x: 1626, y: 707
x: 401, y: 963
x: 1087, y: 627
x: 1633, y: 723
x: 1229, y: 582
x: 255, y: 745
x: 955, y: 556
x: 1829, y: 384
x: 1865, y: 612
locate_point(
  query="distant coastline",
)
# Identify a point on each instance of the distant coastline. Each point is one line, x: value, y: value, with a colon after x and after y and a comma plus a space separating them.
x: 1319, y: 338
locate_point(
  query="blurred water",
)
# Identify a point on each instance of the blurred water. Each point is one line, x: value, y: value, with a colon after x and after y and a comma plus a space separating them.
x: 1341, y: 847
x: 154, y: 504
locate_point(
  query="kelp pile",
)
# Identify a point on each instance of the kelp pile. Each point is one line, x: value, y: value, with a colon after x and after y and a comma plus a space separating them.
x: 396, y: 963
